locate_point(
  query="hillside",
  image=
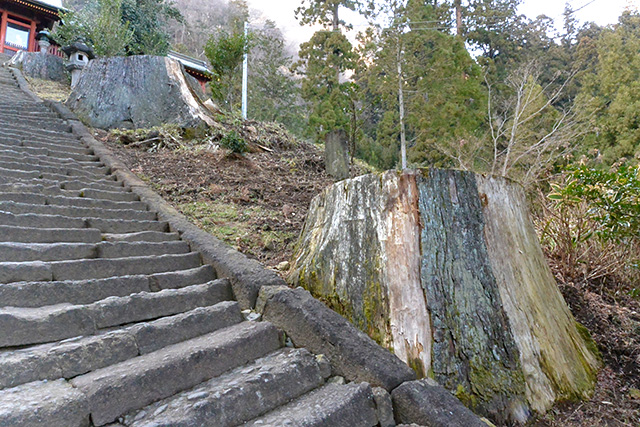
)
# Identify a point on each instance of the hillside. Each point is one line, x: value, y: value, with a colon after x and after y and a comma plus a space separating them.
x: 256, y: 202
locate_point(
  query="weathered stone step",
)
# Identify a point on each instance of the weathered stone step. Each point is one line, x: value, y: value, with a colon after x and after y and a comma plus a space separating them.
x: 39, y: 158
x: 69, y: 183
x: 59, y: 144
x: 239, y: 395
x: 39, y: 220
x: 133, y: 384
x: 76, y: 212
x: 142, y: 236
x: 84, y: 202
x: 40, y: 294
x: 24, y: 326
x: 117, y: 194
x: 96, y: 173
x: 36, y: 175
x: 102, y: 268
x: 48, y: 235
x: 32, y: 271
x: 78, y: 356
x: 44, y: 403
x: 36, y: 113
x: 17, y: 123
x: 50, y: 153
x: 21, y: 252
x: 121, y: 226
x: 331, y: 405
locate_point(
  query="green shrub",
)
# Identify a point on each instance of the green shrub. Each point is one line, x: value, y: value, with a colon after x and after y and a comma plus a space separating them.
x: 234, y: 142
x: 613, y: 197
x: 590, y: 225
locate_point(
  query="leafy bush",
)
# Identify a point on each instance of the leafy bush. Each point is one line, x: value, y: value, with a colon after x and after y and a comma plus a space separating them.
x: 613, y: 197
x: 590, y: 224
x: 234, y: 142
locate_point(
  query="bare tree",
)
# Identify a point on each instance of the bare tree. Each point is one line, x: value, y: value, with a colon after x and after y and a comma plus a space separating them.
x: 527, y: 131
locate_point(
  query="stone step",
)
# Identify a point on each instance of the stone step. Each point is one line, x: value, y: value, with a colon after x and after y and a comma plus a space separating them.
x: 40, y: 294
x: 44, y: 403
x: 39, y: 220
x: 85, y: 269
x: 331, y: 405
x: 49, y: 153
x: 21, y: 252
x: 58, y: 144
x: 102, y: 268
x: 85, y: 202
x: 31, y: 114
x: 76, y: 212
x: 35, y: 176
x: 239, y: 395
x: 21, y: 326
x: 70, y: 358
x: 18, y: 185
x: 96, y: 173
x: 122, y: 226
x: 48, y: 235
x: 23, y: 124
x: 143, y: 236
x: 133, y: 249
x: 43, y: 159
x: 133, y: 384
x: 115, y: 196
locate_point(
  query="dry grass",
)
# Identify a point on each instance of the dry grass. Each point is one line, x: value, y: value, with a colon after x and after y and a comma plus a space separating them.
x: 50, y: 90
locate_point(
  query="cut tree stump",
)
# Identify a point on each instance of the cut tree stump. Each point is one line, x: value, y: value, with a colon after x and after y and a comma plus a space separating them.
x: 136, y: 92
x: 444, y: 268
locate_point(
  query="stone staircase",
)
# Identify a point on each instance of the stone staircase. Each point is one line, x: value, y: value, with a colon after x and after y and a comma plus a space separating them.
x: 109, y: 318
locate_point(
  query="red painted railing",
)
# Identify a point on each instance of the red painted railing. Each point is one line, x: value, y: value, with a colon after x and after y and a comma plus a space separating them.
x: 53, y: 50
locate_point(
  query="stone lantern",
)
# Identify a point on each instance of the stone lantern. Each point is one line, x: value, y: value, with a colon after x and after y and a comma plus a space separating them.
x: 79, y: 54
x: 44, y: 41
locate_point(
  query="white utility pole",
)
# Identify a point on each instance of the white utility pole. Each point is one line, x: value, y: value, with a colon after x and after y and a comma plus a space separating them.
x: 245, y: 72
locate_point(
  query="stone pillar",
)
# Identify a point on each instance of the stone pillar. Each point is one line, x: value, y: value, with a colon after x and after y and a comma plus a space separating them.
x: 336, y: 154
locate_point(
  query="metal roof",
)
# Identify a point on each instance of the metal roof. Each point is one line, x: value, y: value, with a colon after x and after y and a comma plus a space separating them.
x: 190, y: 63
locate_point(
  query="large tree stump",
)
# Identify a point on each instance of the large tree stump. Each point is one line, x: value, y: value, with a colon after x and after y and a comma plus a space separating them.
x: 136, y: 92
x: 445, y: 268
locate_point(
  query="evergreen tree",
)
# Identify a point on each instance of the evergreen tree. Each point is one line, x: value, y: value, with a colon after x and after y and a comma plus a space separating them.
x: 441, y: 85
x: 615, y: 90
x: 274, y: 94
x: 323, y: 59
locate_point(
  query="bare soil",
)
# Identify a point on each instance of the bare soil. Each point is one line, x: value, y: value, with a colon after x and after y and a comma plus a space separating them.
x: 257, y: 203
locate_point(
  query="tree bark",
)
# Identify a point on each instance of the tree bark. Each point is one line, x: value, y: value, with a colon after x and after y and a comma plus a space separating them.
x: 136, y: 92
x: 458, y: 6
x: 444, y: 268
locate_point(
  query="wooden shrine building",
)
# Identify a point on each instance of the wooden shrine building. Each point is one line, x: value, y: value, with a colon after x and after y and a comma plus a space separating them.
x: 21, y: 21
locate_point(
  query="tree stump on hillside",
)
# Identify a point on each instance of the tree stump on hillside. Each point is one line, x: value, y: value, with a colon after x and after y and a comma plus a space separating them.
x: 444, y: 268
x: 136, y: 92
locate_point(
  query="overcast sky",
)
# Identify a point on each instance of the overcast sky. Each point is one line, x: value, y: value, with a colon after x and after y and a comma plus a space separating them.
x: 602, y: 12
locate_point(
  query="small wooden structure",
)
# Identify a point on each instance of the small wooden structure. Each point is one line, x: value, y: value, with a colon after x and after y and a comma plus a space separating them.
x: 21, y: 20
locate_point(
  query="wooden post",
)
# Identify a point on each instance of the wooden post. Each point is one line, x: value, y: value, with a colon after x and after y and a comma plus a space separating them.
x: 31, y: 47
x: 3, y: 29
